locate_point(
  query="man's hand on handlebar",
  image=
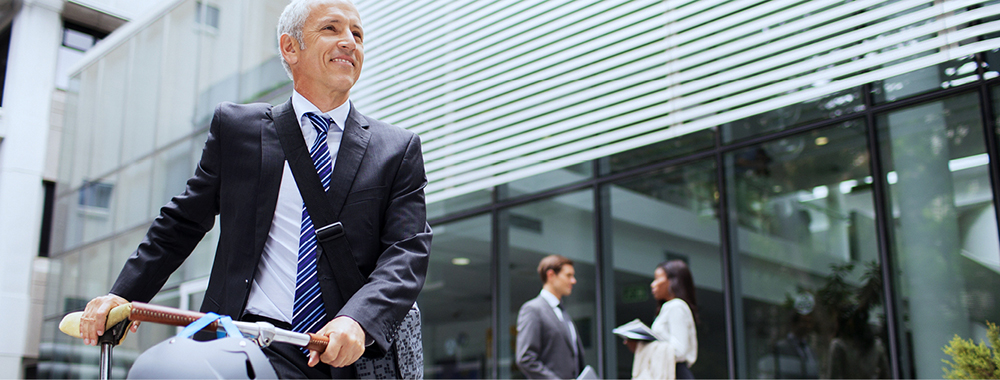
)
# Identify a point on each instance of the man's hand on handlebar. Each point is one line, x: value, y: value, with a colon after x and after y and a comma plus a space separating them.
x: 96, y: 315
x: 347, y: 343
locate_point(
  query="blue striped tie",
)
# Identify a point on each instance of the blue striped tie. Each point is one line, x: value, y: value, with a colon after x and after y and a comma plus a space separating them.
x: 309, y: 311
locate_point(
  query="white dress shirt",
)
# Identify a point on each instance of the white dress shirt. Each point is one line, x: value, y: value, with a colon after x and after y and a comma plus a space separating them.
x: 554, y: 303
x: 676, y: 323
x: 273, y: 291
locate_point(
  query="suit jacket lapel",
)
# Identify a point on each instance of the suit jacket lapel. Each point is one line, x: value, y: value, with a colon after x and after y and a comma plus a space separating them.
x: 563, y: 326
x: 353, y: 146
x: 272, y: 164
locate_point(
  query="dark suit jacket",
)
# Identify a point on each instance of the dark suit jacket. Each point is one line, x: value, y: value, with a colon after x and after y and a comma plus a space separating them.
x: 544, y: 347
x: 381, y: 168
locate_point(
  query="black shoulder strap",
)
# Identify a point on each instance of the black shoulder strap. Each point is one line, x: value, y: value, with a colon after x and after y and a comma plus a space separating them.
x: 329, y: 231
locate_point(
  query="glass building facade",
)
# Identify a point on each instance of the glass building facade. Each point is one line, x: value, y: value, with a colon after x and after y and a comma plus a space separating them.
x: 837, y: 207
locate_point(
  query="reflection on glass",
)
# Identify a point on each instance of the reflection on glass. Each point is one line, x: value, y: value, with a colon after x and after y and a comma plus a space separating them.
x: 180, y: 73
x: 123, y: 247
x: 458, y: 204
x: 95, y: 207
x: 68, y: 139
x: 456, y: 301
x: 945, y: 75
x: 53, y: 287
x: 66, y: 235
x: 562, y: 225
x: 669, y: 214
x: 663, y: 150
x: 549, y: 180
x: 808, y: 271
x: 260, y: 65
x: 95, y: 271
x: 82, y: 127
x: 142, y: 93
x: 946, y: 248
x: 219, y: 42
x: 825, y: 107
x: 134, y: 192
x: 171, y: 169
x: 110, y: 103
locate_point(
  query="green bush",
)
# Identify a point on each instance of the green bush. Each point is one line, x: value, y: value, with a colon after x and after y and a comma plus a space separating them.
x: 972, y: 361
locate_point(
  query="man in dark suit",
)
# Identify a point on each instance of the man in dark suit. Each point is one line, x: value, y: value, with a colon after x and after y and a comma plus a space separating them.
x: 548, y: 345
x: 245, y: 177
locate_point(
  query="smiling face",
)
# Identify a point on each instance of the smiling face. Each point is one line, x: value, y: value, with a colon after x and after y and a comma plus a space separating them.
x: 328, y: 62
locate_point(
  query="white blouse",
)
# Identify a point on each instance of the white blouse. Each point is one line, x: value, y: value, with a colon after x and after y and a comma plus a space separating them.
x: 676, y: 323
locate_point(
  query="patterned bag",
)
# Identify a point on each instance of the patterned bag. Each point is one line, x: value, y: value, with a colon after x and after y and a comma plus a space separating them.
x: 405, y: 359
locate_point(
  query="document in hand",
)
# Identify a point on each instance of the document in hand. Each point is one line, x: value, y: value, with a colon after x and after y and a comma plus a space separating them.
x: 588, y: 374
x: 636, y: 330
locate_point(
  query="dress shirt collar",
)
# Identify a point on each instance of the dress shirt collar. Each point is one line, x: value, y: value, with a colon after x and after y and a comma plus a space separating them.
x: 301, y: 105
x: 550, y: 298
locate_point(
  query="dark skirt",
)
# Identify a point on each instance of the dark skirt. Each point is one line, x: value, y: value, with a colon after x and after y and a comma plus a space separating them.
x: 683, y: 372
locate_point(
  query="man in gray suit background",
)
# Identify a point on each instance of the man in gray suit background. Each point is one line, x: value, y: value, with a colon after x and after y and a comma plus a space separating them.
x: 548, y: 346
x: 268, y: 265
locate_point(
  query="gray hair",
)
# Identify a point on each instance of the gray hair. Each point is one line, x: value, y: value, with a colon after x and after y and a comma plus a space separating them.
x: 291, y: 22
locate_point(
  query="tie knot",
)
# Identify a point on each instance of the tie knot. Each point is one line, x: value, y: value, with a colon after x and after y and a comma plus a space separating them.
x: 320, y: 122
x: 559, y: 305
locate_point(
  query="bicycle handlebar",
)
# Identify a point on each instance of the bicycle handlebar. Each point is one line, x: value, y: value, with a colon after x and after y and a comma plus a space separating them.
x: 264, y: 333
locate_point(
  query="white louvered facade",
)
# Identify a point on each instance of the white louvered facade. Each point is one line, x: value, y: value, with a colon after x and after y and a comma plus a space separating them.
x: 502, y: 90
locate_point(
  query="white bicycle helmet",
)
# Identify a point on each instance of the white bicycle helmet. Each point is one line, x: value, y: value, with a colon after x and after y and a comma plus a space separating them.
x: 232, y: 357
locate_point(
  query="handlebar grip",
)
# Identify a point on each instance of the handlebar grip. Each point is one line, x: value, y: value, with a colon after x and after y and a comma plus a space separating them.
x: 318, y: 342
x: 145, y: 312
x: 70, y: 323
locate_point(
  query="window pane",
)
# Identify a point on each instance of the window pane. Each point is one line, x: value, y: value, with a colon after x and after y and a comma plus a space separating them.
x: 95, y: 271
x: 95, y: 207
x: 672, y: 148
x: 219, y: 42
x: 68, y: 136
x: 806, y: 258
x: 81, y: 137
x: 65, y: 59
x: 77, y: 40
x: 108, y: 117
x: 172, y: 168
x: 133, y: 195
x: 179, y: 75
x: 946, y: 249
x: 143, y: 92
x: 825, y: 107
x: 945, y: 75
x: 219, y: 57
x: 260, y: 66
x: 456, y: 302
x: 123, y: 247
x: 549, y: 180
x: 669, y: 214
x: 562, y: 225
x: 460, y: 203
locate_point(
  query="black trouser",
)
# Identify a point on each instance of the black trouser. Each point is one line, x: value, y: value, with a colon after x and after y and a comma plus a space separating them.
x: 290, y: 362
x: 682, y: 372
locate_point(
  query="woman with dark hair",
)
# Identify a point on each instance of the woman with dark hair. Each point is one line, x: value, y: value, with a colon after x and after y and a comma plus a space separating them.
x: 673, y: 287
